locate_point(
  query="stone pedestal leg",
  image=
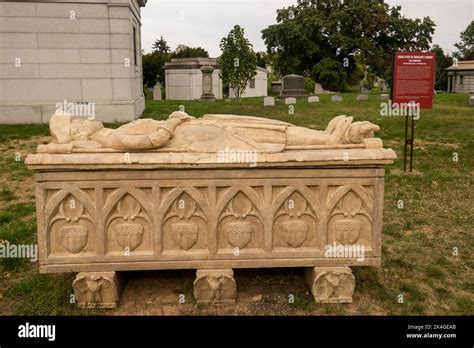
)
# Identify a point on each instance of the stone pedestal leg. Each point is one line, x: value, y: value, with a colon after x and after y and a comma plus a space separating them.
x: 215, y: 286
x: 331, y: 284
x: 97, y: 289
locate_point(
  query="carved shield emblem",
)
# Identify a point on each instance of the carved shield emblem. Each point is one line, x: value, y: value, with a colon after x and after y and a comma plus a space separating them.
x: 185, y: 234
x: 347, y: 231
x: 239, y: 233
x: 74, y: 238
x: 129, y: 235
x: 294, y: 232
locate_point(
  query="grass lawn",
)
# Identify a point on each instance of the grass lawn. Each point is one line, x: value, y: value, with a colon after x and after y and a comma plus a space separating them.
x: 427, y: 252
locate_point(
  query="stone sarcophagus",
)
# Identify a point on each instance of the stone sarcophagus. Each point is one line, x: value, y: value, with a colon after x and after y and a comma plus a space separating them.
x: 210, y: 194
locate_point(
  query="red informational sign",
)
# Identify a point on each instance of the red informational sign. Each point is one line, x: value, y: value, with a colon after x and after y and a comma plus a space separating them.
x: 413, y: 78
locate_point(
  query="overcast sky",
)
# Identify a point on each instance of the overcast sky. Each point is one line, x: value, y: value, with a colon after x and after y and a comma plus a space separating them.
x: 204, y: 22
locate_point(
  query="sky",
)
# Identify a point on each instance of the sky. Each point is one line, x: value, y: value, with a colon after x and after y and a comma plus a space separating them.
x: 203, y: 23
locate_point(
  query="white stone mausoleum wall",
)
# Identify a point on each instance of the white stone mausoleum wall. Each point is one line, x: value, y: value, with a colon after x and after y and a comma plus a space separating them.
x: 75, y: 51
x: 256, y: 88
x: 184, y: 78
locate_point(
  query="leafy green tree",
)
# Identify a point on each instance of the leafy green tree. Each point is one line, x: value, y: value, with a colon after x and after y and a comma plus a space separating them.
x: 238, y: 61
x: 262, y: 59
x: 466, y: 45
x: 443, y: 62
x: 309, y: 84
x: 190, y: 52
x: 161, y: 46
x: 330, y: 73
x: 323, y: 38
x: 154, y: 63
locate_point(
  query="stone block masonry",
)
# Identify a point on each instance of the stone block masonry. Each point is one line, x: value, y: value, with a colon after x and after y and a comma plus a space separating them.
x: 74, y: 51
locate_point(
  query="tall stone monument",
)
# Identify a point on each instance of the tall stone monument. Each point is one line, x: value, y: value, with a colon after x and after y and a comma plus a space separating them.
x: 157, y: 91
x: 207, y: 89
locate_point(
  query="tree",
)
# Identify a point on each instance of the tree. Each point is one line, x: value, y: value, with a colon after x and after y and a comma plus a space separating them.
x: 316, y: 35
x: 442, y: 63
x: 262, y: 59
x: 161, y: 46
x: 190, y: 52
x: 154, y: 63
x: 238, y: 61
x: 466, y: 45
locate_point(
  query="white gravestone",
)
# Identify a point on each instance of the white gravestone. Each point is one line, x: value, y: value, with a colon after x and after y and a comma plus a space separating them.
x: 313, y: 99
x: 362, y: 97
x: 318, y: 89
x: 268, y: 101
x: 336, y: 98
x: 157, y: 92
x: 289, y: 101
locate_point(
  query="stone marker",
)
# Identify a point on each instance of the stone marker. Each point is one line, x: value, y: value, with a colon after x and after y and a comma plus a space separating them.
x: 362, y: 97
x: 293, y: 86
x: 157, y: 92
x: 290, y: 100
x: 318, y: 89
x: 268, y: 101
x: 336, y: 98
x: 313, y: 99
x: 471, y: 100
x: 207, y: 84
x: 384, y: 97
x: 135, y: 196
x: 276, y: 86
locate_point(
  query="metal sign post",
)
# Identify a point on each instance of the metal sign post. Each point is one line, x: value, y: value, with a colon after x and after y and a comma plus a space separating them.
x: 409, y: 140
x: 412, y: 90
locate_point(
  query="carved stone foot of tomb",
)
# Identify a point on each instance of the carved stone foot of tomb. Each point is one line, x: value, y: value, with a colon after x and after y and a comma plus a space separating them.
x: 331, y: 284
x: 97, y: 289
x: 214, y: 286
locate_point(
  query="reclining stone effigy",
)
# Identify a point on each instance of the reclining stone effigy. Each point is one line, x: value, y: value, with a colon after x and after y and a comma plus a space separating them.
x: 211, y: 194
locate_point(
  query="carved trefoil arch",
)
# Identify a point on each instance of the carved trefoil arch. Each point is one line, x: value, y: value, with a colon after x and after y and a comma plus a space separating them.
x: 296, y: 220
x: 70, y: 226
x: 240, y: 224
x: 184, y: 225
x: 128, y: 225
x: 351, y: 217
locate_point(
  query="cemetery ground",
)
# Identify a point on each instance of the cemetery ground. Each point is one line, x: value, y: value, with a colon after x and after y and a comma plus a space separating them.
x: 428, y: 244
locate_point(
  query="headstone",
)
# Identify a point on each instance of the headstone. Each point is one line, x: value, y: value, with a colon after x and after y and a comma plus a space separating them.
x: 207, y: 90
x: 384, y: 97
x: 318, y: 89
x: 268, y: 101
x: 293, y: 86
x: 336, y: 98
x: 313, y: 99
x: 362, y: 97
x: 471, y: 100
x: 290, y: 100
x: 363, y: 90
x: 157, y: 92
x: 276, y: 86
